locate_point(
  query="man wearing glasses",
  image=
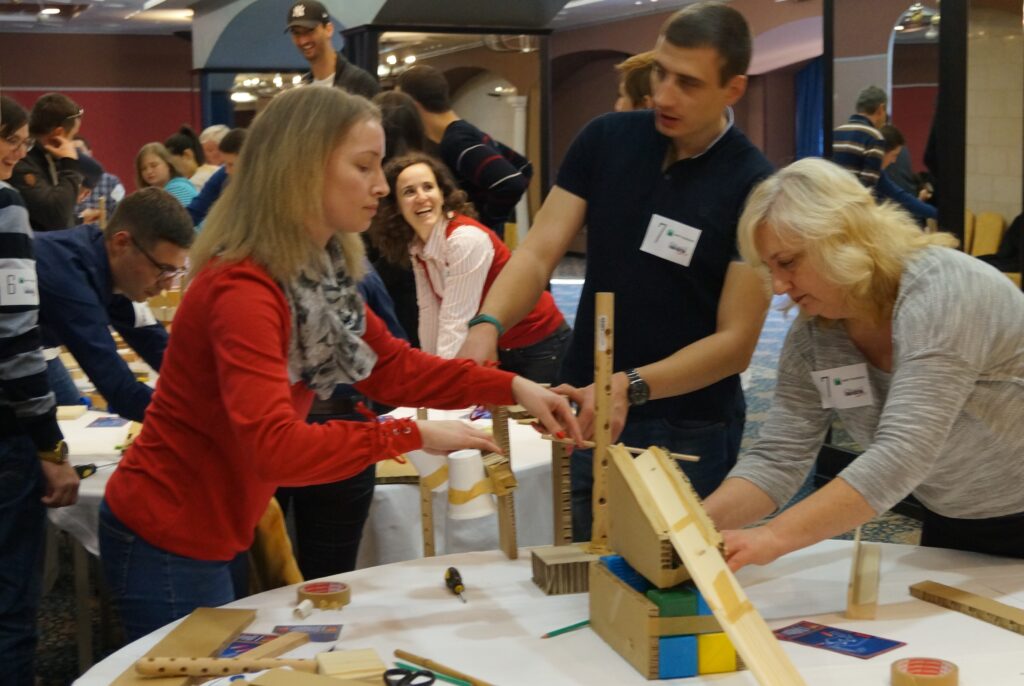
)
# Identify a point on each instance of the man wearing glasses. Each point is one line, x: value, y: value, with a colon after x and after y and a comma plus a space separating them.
x: 49, y: 178
x: 89, y: 280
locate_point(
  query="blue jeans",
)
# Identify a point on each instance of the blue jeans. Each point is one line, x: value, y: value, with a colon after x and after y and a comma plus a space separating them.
x: 22, y: 522
x: 716, y: 443
x: 61, y: 383
x: 540, y: 362
x: 152, y: 587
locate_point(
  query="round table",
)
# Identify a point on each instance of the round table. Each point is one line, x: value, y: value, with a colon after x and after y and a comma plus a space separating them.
x: 495, y: 635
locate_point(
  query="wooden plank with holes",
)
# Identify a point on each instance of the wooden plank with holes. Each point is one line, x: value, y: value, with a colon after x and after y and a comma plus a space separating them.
x: 604, y: 351
x: 862, y: 591
x: 427, y: 519
x: 561, y: 492
x: 204, y: 633
x: 986, y: 609
x: 699, y: 546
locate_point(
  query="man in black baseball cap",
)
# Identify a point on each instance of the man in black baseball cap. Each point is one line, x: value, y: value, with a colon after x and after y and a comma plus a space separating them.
x: 310, y: 26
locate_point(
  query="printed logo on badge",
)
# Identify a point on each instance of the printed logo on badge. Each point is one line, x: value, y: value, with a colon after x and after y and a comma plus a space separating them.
x: 18, y: 288
x: 844, y: 388
x: 670, y: 240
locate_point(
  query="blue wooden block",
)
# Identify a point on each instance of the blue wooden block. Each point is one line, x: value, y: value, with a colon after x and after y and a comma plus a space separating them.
x: 677, y: 657
x: 618, y: 566
x: 702, y: 606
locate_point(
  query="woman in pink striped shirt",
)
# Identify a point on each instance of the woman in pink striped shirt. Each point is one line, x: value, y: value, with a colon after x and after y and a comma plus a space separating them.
x: 427, y: 219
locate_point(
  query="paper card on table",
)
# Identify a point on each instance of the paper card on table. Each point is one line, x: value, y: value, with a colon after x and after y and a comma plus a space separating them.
x: 106, y: 422
x: 851, y: 643
x: 245, y: 643
x: 318, y: 633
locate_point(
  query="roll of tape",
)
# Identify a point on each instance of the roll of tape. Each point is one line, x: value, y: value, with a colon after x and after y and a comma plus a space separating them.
x: 924, y: 671
x: 326, y: 595
x: 303, y: 609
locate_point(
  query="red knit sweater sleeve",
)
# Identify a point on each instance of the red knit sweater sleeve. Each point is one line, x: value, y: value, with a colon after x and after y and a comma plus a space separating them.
x: 410, y: 377
x: 250, y: 325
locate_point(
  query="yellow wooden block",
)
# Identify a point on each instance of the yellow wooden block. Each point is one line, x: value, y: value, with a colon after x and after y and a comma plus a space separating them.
x: 352, y: 664
x: 715, y: 654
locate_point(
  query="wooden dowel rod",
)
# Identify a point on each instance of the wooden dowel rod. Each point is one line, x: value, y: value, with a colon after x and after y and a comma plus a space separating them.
x: 439, y: 668
x: 632, y: 451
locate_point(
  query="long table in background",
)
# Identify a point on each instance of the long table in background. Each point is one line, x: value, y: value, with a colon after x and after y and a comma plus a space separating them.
x: 495, y: 636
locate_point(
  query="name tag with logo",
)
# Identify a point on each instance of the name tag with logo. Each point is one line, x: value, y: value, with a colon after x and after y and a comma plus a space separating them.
x: 843, y: 388
x: 18, y: 287
x: 670, y: 240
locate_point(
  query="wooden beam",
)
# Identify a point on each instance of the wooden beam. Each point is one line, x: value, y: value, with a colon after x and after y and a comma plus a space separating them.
x: 987, y: 610
x: 604, y: 354
x: 862, y: 592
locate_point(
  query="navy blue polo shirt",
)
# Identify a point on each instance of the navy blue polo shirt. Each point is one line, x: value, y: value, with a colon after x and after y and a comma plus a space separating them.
x: 615, y: 165
x: 77, y: 307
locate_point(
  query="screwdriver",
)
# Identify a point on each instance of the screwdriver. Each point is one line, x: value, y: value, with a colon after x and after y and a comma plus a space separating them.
x: 87, y: 470
x: 453, y: 580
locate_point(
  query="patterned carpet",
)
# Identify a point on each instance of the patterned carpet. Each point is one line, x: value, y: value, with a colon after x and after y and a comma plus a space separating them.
x: 56, y: 656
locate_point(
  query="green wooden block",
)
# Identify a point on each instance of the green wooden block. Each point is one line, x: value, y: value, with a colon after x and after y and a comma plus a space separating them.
x: 680, y: 601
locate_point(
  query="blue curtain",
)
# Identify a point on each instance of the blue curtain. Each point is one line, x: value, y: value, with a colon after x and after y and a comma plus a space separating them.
x: 810, y: 136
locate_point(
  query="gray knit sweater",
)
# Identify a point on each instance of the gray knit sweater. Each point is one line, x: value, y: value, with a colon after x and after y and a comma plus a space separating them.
x: 946, y: 425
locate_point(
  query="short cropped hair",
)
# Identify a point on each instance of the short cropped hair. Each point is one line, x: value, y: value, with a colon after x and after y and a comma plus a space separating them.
x: 635, y: 76
x: 389, y: 232
x: 232, y: 141
x: 869, y: 99
x: 427, y: 86
x: 50, y: 111
x: 12, y: 116
x: 859, y: 245
x: 214, y: 133
x: 713, y: 25
x: 152, y: 215
x: 892, y: 137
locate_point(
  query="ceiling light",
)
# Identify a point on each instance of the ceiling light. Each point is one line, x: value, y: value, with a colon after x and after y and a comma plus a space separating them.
x: 296, y: 80
x: 278, y: 81
x: 409, y: 59
x: 383, y: 70
x: 50, y: 10
x: 391, y: 59
x: 243, y: 96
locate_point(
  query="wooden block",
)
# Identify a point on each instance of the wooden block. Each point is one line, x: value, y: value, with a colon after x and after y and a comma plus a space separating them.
x: 427, y: 519
x: 280, y: 645
x: 395, y: 472
x: 204, y: 633
x: 289, y: 677
x: 674, y: 602
x: 561, y: 456
x: 697, y: 624
x: 558, y: 570
x: 862, y: 592
x: 638, y: 532
x: 987, y: 610
x: 715, y: 654
x: 625, y: 620
x: 352, y: 664
x: 677, y: 657
x: 67, y: 412
x: 618, y: 566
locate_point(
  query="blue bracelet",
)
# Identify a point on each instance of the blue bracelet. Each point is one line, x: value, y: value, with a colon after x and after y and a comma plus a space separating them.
x: 488, y: 319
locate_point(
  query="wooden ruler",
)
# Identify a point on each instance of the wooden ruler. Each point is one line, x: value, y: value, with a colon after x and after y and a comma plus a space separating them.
x: 604, y: 351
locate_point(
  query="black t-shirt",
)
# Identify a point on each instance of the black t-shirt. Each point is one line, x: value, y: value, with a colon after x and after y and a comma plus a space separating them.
x: 615, y: 165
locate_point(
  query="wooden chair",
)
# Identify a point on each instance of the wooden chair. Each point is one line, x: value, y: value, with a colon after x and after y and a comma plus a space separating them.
x: 988, y: 231
x: 968, y: 232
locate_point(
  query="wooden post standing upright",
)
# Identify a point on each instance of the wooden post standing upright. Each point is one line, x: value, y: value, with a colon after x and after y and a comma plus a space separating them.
x: 603, y: 355
x: 561, y: 492
x: 504, y: 483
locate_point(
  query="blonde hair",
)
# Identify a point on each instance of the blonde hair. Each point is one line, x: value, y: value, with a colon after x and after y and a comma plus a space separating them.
x: 861, y: 246
x: 277, y: 192
x: 160, y: 151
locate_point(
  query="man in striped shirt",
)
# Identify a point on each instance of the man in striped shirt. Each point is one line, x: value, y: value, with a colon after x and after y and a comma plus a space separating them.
x: 857, y: 145
x: 493, y: 175
x: 34, y: 472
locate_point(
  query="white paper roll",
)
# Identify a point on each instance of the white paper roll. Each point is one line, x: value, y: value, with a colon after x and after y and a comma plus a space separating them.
x: 469, y: 490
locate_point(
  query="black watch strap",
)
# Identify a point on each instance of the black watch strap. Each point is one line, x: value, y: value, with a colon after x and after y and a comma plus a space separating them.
x: 638, y: 392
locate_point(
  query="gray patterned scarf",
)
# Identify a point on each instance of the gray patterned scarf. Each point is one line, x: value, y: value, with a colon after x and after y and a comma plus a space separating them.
x: 328, y: 322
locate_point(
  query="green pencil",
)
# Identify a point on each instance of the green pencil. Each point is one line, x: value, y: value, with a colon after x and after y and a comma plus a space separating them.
x: 442, y: 677
x: 566, y: 629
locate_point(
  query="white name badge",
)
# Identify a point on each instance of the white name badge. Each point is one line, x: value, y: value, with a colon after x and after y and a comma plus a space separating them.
x: 18, y: 287
x: 143, y: 315
x: 670, y: 240
x: 843, y: 388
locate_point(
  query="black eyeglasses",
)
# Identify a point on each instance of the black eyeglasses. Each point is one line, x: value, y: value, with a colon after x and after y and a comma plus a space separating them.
x: 167, y: 271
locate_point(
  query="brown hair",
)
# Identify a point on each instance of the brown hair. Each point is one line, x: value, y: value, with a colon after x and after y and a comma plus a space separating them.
x: 390, y: 233
x: 713, y: 25
x: 635, y: 76
x: 160, y: 151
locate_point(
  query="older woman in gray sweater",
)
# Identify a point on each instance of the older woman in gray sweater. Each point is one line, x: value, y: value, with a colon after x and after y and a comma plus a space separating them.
x: 916, y: 347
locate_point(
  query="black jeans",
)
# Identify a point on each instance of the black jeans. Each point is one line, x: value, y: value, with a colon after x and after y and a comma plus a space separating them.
x: 540, y: 362
x: 994, y: 536
x: 329, y: 518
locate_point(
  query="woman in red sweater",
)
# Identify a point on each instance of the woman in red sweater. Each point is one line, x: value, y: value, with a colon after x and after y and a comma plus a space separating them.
x: 427, y: 220
x: 271, y: 317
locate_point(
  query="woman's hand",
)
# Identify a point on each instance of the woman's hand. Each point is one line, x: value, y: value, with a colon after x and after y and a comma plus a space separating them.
x: 550, y: 408
x: 584, y: 399
x: 757, y: 546
x: 443, y: 437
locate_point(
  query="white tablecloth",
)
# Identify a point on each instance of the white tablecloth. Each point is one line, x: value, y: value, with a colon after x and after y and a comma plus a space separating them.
x: 495, y: 636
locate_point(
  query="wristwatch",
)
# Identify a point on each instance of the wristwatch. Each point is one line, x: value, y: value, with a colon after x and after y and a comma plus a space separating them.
x: 58, y: 455
x: 639, y: 392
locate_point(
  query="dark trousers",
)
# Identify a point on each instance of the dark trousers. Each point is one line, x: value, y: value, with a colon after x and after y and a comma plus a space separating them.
x: 716, y: 443
x: 540, y: 362
x: 22, y: 522
x: 329, y: 518
x: 995, y: 536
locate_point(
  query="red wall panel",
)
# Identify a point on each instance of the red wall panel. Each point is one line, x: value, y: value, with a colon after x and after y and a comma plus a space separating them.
x: 913, y: 108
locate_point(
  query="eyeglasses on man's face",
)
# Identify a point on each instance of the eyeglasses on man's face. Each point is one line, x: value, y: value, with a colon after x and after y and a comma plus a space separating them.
x: 167, y: 271
x: 15, y: 142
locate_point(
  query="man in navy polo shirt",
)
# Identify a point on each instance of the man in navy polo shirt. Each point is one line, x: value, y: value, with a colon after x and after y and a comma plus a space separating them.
x: 89, y: 280
x: 660, y: 193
